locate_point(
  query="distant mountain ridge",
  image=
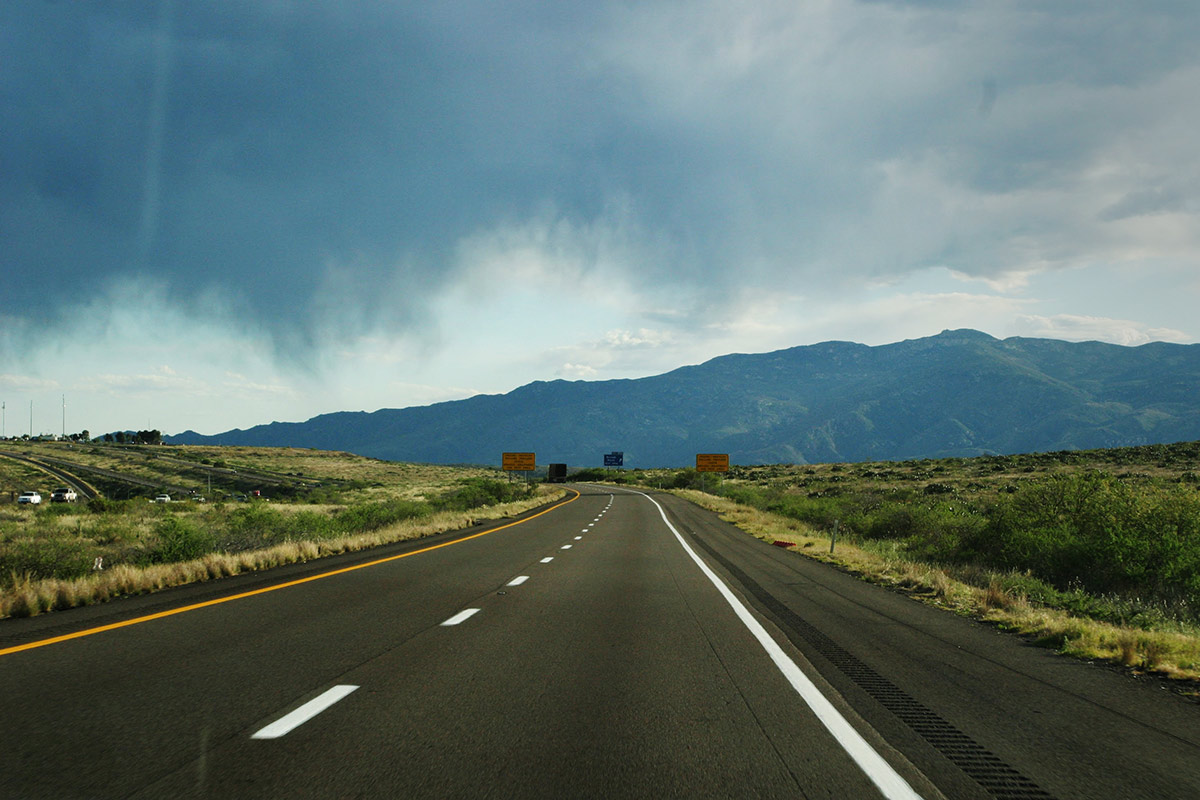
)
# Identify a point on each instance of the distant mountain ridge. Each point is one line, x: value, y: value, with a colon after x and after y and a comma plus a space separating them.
x: 959, y: 393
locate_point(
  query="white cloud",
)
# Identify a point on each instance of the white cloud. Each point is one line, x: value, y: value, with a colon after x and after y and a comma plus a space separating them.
x: 577, y: 371
x: 616, y: 353
x: 26, y: 383
x: 601, y: 258
x: 641, y: 338
x: 1074, y: 328
x: 1004, y: 282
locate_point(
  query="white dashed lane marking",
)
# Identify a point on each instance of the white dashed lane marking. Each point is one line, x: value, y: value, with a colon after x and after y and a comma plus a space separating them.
x: 517, y: 581
x: 461, y: 616
x: 547, y: 559
x: 289, y: 722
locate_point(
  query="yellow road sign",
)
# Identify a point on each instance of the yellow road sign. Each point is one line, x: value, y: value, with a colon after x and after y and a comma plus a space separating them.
x: 519, y: 462
x: 712, y: 462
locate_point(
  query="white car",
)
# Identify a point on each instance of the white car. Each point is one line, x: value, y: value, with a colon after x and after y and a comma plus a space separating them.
x: 163, y: 498
x: 33, y: 498
x: 63, y: 494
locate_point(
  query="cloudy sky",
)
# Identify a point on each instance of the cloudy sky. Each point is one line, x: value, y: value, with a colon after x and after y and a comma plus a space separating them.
x: 216, y: 215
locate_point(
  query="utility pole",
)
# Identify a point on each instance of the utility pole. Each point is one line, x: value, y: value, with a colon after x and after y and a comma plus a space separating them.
x: 30, y: 419
x: 3, y: 419
x: 64, y: 420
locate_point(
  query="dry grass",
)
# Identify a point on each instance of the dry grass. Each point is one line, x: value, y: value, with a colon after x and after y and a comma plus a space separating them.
x: 370, y: 479
x: 27, y: 598
x: 17, y: 476
x: 1173, y: 655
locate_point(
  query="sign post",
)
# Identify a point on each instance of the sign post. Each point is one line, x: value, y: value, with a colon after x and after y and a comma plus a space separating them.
x: 711, y: 462
x: 519, y: 462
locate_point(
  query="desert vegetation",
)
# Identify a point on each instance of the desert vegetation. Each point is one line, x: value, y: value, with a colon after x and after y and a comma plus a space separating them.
x: 58, y: 556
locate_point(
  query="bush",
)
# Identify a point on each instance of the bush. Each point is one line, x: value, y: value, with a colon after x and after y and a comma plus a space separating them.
x: 687, y: 479
x: 46, y: 556
x: 596, y: 474
x: 1087, y: 531
x: 478, y: 492
x: 255, y: 524
x: 180, y: 540
x: 373, y: 516
x: 104, y: 505
x: 1096, y: 532
x: 310, y: 526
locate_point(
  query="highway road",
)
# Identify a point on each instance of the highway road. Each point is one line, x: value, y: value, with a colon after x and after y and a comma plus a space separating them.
x: 617, y: 645
x: 59, y: 475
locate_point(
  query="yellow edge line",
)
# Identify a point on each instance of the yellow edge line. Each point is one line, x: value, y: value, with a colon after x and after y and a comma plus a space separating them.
x: 138, y: 620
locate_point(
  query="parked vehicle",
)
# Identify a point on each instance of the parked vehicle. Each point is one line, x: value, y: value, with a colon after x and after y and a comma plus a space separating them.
x: 32, y: 498
x: 162, y: 498
x: 63, y: 494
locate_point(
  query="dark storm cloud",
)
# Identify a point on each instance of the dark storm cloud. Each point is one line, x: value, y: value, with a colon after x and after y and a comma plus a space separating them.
x: 306, y: 160
x: 297, y: 141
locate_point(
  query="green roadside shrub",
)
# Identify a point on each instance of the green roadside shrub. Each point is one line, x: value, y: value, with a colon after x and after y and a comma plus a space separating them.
x: 255, y: 522
x: 180, y: 539
x: 687, y: 479
x: 310, y: 526
x: 595, y: 474
x: 106, y: 505
x: 1096, y: 532
x: 46, y: 556
x: 1076, y: 537
x: 373, y: 516
x: 477, y: 492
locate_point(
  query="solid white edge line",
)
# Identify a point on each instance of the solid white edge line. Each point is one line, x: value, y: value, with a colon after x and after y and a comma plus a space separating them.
x: 517, y: 581
x: 289, y: 722
x: 461, y: 616
x: 877, y: 769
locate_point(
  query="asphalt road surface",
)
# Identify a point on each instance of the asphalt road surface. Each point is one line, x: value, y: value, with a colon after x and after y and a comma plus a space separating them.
x: 617, y: 645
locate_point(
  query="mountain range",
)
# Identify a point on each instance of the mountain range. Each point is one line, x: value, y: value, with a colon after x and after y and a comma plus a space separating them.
x: 959, y: 393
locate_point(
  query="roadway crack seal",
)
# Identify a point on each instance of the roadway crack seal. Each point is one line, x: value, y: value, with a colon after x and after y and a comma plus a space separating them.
x: 996, y: 777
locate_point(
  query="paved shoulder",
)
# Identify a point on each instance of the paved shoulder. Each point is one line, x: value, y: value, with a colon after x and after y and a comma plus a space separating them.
x: 982, y: 713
